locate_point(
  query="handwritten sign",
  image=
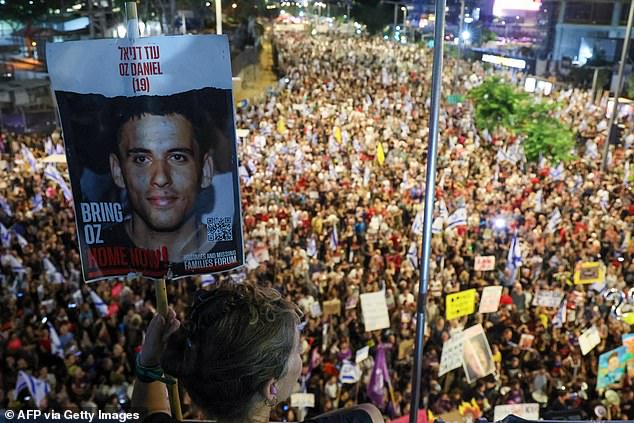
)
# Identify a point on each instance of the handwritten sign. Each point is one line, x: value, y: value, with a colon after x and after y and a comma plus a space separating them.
x: 589, y: 339
x: 451, y: 357
x: 484, y: 263
x: 374, y: 308
x: 589, y: 272
x: 362, y: 354
x: 490, y: 300
x: 550, y: 299
x: 332, y: 307
x: 302, y: 400
x: 460, y: 304
x: 529, y: 411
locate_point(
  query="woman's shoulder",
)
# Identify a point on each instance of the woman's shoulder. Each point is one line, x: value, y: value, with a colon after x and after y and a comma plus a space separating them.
x: 364, y: 413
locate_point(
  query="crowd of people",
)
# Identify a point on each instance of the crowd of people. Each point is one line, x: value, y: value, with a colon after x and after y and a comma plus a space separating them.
x: 332, y: 165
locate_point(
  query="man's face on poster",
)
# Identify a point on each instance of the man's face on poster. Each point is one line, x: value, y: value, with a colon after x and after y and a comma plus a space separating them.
x: 160, y: 164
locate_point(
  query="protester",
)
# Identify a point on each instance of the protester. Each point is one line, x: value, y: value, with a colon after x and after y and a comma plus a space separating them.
x: 332, y: 177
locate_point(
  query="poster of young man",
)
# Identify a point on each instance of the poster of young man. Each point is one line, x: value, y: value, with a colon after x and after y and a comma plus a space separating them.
x: 150, y: 142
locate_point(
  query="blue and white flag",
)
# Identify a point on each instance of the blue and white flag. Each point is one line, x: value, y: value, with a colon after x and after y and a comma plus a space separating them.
x: 514, y: 257
x: 417, y: 225
x: 37, y: 387
x: 38, y: 202
x: 457, y: 218
x: 49, y: 149
x: 437, y: 225
x: 5, y: 236
x: 557, y: 173
x: 311, y: 247
x: 5, y: 206
x: 53, y: 174
x: 56, y: 344
x: 99, y: 304
x: 553, y: 221
x: 560, y: 318
x: 207, y: 280
x: 29, y: 157
x: 21, y: 240
x: 539, y: 201
x: 412, y: 254
x: 59, y: 149
x: 444, y: 213
x: 334, y: 238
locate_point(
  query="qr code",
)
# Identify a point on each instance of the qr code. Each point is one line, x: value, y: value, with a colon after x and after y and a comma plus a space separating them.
x: 219, y: 229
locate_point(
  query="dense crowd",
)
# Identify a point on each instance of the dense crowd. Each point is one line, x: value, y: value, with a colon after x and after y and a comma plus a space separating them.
x: 329, y: 215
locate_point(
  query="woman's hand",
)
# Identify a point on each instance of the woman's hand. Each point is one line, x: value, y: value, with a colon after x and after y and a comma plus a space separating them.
x: 159, y: 329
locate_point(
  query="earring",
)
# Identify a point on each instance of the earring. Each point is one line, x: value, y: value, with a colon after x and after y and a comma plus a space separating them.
x: 271, y: 402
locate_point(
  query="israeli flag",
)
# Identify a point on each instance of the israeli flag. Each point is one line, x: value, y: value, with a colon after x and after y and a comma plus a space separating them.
x: 37, y: 387
x: 553, y: 221
x: 539, y: 201
x: 38, y: 202
x: 444, y: 213
x: 53, y: 174
x: 207, y: 280
x: 557, y: 174
x: 457, y: 218
x: 560, y: 317
x: 334, y: 238
x: 21, y: 240
x: 29, y: 157
x: 412, y: 254
x: 311, y: 247
x: 56, y: 344
x: 417, y: 225
x: 436, y: 226
x: 514, y: 257
x: 99, y: 304
x: 5, y: 206
x: 5, y: 236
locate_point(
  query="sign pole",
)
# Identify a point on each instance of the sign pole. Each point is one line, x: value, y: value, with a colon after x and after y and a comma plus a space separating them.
x: 161, y: 307
x: 132, y: 27
x: 430, y: 188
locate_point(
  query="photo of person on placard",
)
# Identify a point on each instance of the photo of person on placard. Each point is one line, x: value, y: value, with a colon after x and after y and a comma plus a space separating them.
x: 163, y: 155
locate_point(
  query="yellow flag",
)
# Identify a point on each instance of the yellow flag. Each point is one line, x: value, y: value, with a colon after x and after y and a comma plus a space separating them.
x: 281, y: 126
x: 338, y: 134
x: 460, y: 304
x: 380, y: 154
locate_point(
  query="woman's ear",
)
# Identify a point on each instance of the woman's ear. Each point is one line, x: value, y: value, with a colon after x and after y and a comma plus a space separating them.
x: 270, y: 391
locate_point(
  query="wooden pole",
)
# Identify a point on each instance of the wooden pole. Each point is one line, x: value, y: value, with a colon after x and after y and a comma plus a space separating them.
x: 161, y: 307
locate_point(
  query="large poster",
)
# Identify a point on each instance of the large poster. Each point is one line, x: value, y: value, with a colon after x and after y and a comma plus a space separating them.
x: 150, y: 142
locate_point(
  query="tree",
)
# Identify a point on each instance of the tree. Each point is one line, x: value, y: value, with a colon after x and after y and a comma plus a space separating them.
x: 500, y: 104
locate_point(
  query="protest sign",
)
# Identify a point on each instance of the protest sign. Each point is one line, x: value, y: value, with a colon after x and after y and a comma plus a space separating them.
x: 589, y: 273
x: 611, y: 367
x: 490, y: 300
x: 477, y: 359
x: 527, y: 411
x: 332, y: 307
x: 589, y: 339
x: 302, y: 400
x: 315, y: 309
x: 362, y: 354
x: 151, y: 149
x: 484, y: 263
x: 374, y: 310
x: 460, y: 304
x: 451, y: 357
x: 545, y: 298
